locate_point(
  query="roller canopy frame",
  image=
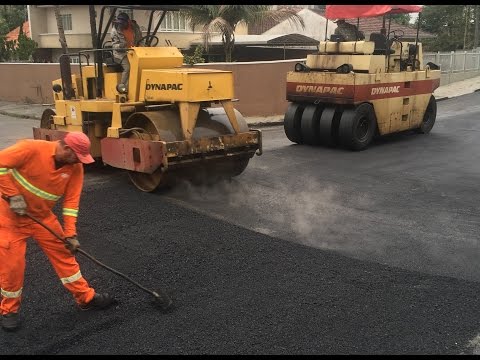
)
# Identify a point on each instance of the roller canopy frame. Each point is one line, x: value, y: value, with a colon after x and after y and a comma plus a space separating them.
x: 361, y: 11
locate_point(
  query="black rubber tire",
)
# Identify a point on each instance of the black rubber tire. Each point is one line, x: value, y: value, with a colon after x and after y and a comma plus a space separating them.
x: 357, y: 127
x: 310, y: 124
x: 292, y: 123
x: 46, y: 121
x: 429, y: 117
x: 327, y: 132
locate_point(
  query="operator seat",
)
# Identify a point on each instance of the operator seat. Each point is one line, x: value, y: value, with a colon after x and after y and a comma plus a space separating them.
x: 337, y: 37
x: 381, y: 44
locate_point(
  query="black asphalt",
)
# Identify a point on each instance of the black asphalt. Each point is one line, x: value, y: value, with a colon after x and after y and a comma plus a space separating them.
x: 235, y: 292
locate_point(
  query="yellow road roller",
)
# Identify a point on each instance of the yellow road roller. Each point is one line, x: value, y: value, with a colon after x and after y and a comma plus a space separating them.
x: 173, y: 122
x: 351, y: 91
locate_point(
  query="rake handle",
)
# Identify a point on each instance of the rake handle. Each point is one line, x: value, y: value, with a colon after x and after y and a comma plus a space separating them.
x: 84, y: 253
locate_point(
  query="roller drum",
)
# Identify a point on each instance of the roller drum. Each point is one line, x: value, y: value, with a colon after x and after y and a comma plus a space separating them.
x: 165, y: 126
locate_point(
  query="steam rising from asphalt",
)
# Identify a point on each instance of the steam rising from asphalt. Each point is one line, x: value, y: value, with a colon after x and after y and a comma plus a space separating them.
x: 327, y: 216
x: 310, y: 211
x: 366, y: 221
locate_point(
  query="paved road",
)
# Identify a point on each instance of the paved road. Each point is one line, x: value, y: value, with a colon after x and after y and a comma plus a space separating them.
x: 310, y: 251
x: 14, y: 129
x: 409, y: 200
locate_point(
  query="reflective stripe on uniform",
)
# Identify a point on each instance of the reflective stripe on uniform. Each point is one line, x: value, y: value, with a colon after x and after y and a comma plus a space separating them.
x: 3, y: 171
x: 11, y: 294
x: 34, y: 190
x: 71, y: 212
x: 70, y: 279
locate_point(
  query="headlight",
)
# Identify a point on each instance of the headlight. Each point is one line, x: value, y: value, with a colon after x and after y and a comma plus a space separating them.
x: 57, y: 88
x: 121, y: 88
x: 299, y: 67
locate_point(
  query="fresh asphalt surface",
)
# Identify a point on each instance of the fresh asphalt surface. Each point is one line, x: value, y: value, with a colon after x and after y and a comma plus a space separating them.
x: 240, y: 291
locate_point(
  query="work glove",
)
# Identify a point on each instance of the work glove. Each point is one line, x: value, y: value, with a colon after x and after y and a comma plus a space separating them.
x: 72, y: 244
x: 18, y: 204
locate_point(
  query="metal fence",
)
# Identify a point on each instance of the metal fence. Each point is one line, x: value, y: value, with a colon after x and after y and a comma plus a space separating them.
x: 455, y: 61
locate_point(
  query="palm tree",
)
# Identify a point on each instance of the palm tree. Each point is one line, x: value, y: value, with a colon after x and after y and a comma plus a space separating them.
x: 61, y: 33
x: 225, y: 18
x: 93, y: 25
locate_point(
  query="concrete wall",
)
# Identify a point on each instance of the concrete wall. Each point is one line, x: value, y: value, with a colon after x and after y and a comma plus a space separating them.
x: 259, y: 86
x: 30, y: 83
x: 449, y: 78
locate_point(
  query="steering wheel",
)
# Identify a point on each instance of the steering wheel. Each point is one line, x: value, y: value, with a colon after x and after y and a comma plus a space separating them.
x: 108, y: 54
x: 397, y: 34
x: 146, y: 38
x: 107, y: 45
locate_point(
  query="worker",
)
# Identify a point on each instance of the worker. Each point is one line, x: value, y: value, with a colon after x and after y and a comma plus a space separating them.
x: 34, y: 174
x: 348, y: 31
x: 125, y: 34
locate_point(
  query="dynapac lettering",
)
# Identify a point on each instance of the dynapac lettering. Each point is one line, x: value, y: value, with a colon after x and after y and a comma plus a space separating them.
x: 164, y: 87
x: 385, y: 90
x: 320, y: 89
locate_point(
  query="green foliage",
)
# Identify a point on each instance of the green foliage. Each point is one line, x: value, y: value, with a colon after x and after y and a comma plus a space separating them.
x: 22, y: 49
x: 17, y: 50
x: 11, y: 16
x: 7, y: 50
x: 26, y: 47
x: 196, y: 57
x: 403, y: 19
x: 225, y: 18
x: 453, y: 26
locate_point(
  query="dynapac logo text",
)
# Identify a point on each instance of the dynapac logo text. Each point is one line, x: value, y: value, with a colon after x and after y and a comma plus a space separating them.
x: 164, y: 87
x: 385, y: 90
x: 320, y: 89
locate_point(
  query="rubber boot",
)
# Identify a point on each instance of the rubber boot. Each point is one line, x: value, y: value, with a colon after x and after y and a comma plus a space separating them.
x: 10, y: 322
x: 99, y: 301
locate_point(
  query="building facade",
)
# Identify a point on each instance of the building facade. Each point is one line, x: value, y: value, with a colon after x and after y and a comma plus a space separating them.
x: 76, y: 22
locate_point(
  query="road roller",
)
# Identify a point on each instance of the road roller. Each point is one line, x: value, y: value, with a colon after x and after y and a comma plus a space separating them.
x: 350, y: 92
x: 172, y: 122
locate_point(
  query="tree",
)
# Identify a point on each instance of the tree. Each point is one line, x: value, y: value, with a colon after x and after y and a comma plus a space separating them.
x: 20, y: 49
x: 403, y: 19
x: 467, y: 13
x: 25, y: 47
x: 475, y: 34
x: 11, y: 16
x: 7, y: 49
x: 196, y: 57
x: 93, y: 25
x: 447, y: 22
x: 61, y: 32
x: 225, y: 18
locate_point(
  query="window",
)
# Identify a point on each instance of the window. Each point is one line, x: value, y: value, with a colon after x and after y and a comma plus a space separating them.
x: 66, y: 21
x: 173, y: 22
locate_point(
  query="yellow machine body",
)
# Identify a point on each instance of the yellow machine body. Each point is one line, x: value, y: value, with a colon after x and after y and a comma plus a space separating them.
x: 172, y: 117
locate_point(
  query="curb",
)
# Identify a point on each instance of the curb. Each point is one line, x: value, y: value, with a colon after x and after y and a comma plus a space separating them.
x: 265, y: 124
x: 7, y: 113
x: 33, y: 117
x: 252, y: 124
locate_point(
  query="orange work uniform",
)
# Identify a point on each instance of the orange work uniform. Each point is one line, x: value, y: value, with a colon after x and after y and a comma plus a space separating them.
x: 28, y: 168
x: 129, y: 35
